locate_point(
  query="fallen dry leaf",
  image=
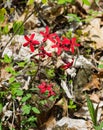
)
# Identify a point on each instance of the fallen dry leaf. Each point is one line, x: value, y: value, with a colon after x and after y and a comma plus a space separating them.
x: 4, y: 74
x: 95, y: 98
x: 95, y: 33
x: 58, y: 111
x: 93, y: 84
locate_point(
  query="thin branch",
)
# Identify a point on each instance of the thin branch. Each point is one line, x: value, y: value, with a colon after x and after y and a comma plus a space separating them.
x: 16, y: 32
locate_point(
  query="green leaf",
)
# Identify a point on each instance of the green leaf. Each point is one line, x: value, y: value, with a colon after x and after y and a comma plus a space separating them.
x: 73, y: 17
x: 71, y: 104
x: 7, y: 59
x: 100, y: 66
x: 61, y: 1
x: 43, y: 102
x: 19, y: 92
x: 92, y: 111
x: 21, y: 64
x: 12, y: 129
x: 18, y: 28
x: 28, y: 96
x: 2, y: 15
x: 30, y: 2
x: 32, y: 119
x: 45, y: 1
x: 70, y: 1
x: 51, y: 98
x: 0, y: 126
x: 86, y: 2
x: 2, y: 93
x: 68, y: 34
x: 15, y: 85
x: 50, y: 73
x: 5, y: 29
x: 64, y: 1
x: 14, y: 88
x: 1, y: 107
x: 11, y: 80
x: 99, y: 127
x: 26, y: 109
x: 11, y: 70
x: 35, y: 110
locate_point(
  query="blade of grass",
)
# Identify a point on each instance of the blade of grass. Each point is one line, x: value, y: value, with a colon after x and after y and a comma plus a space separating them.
x: 92, y: 111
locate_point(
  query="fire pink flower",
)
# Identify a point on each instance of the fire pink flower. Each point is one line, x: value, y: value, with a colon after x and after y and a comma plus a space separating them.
x: 46, y: 87
x: 30, y: 42
x: 60, y: 45
x: 47, y: 35
x: 72, y: 43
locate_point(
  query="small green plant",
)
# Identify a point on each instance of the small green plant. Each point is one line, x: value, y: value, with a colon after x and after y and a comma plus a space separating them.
x: 30, y: 2
x: 100, y: 66
x: 6, y: 59
x: 93, y: 114
x: 64, y: 1
x: 86, y: 2
x: 74, y: 17
x: 71, y: 105
x: 45, y: 1
x: 3, y: 12
x: 50, y: 73
x: 18, y: 27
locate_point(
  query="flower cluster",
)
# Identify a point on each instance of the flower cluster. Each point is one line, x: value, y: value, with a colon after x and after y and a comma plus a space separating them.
x: 60, y: 43
x: 44, y: 87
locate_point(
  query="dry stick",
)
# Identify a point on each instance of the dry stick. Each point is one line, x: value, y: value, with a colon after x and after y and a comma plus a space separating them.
x: 13, y: 115
x: 15, y: 33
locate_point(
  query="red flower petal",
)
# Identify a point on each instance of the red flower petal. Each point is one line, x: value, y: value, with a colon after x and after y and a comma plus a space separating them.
x: 42, y: 90
x: 27, y: 38
x: 47, y: 30
x: 48, y: 54
x: 35, y: 42
x: 42, y: 33
x: 45, y: 39
x: 26, y: 44
x: 65, y: 40
x: 31, y: 48
x: 51, y: 93
x: 73, y: 40
x: 32, y: 36
x: 42, y: 85
x: 59, y: 51
x: 68, y: 65
x: 72, y: 48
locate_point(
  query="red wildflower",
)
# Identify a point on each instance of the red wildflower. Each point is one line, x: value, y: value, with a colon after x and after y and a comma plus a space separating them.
x: 68, y: 65
x: 46, y: 87
x: 61, y: 45
x: 31, y: 42
x: 51, y: 93
x: 47, y: 35
x: 42, y: 87
x: 72, y: 43
x: 44, y: 52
